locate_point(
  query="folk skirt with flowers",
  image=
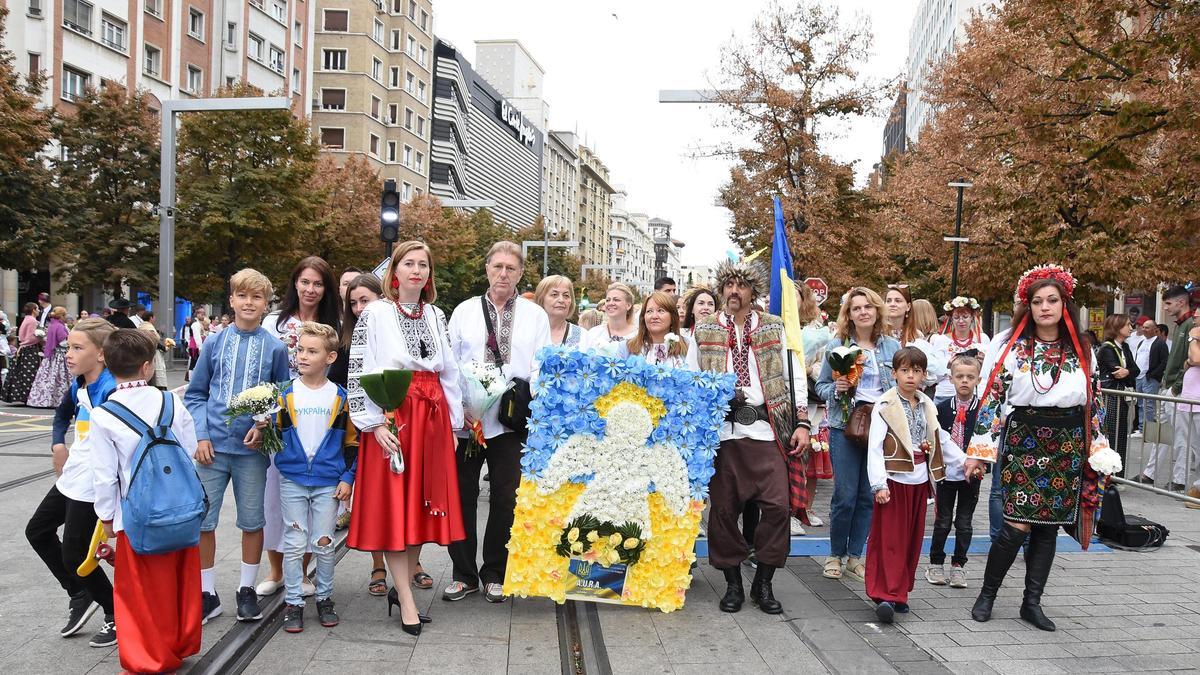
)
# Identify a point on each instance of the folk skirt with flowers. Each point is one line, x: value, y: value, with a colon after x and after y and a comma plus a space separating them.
x: 21, y: 373
x: 52, y: 381
x: 420, y: 506
x: 1041, y: 465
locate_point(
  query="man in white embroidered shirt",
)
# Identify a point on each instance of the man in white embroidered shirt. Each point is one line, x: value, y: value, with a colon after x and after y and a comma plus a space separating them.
x: 504, y: 329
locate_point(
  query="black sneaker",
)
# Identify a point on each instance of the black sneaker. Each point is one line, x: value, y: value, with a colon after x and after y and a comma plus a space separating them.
x: 107, y: 637
x: 210, y: 607
x: 79, y: 611
x: 325, y: 613
x: 293, y: 618
x: 247, y: 604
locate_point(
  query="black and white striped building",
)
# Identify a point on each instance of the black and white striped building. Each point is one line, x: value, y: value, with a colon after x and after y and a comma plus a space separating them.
x: 482, y: 147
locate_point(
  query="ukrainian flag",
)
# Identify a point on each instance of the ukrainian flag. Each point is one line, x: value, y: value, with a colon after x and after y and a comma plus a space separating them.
x: 783, y: 289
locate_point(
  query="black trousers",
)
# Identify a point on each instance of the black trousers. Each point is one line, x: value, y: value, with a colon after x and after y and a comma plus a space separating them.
x: 966, y: 494
x: 78, y: 520
x: 503, y: 457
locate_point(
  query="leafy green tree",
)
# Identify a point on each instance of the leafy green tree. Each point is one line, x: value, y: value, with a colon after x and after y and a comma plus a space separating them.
x: 346, y: 231
x: 244, y: 197
x: 109, y: 178
x: 29, y: 202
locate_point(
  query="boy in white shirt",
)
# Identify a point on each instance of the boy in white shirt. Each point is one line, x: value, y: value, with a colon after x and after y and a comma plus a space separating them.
x: 156, y: 597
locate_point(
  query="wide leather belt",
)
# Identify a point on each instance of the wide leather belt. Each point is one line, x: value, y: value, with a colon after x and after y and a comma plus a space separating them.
x: 747, y: 414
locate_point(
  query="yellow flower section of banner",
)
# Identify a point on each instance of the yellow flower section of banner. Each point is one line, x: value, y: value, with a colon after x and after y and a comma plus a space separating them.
x: 632, y: 393
x: 659, y: 579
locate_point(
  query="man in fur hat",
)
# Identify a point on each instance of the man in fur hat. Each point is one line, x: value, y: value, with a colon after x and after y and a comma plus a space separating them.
x: 762, y: 430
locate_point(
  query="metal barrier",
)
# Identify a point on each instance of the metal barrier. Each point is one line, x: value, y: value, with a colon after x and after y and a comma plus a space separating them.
x: 1169, y: 449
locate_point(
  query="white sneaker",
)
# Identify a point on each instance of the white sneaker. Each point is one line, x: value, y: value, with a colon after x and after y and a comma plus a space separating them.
x: 815, y: 521
x: 268, y: 587
x: 307, y: 588
x: 936, y: 575
x: 797, y: 528
x: 958, y: 577
x: 1136, y: 434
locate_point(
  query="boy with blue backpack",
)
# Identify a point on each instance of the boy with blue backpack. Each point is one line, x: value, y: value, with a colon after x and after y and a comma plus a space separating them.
x: 316, y: 467
x: 150, y: 500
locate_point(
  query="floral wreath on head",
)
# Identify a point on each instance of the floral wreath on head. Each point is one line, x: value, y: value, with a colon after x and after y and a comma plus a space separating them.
x: 1051, y: 271
x: 961, y: 302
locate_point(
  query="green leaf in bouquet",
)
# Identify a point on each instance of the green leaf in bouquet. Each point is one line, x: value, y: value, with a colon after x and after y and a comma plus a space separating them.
x: 387, y: 388
x: 842, y: 358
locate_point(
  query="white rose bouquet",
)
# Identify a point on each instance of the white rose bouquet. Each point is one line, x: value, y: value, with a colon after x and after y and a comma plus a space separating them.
x: 1105, y: 461
x: 39, y: 333
x: 483, y: 384
x: 260, y: 402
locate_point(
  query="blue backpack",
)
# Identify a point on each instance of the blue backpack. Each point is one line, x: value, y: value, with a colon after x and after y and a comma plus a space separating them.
x: 165, y: 503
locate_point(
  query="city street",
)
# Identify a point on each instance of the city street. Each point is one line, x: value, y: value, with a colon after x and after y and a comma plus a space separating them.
x: 1116, y: 611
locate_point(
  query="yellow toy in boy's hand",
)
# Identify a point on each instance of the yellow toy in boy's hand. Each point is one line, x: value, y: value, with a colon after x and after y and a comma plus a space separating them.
x: 98, y: 550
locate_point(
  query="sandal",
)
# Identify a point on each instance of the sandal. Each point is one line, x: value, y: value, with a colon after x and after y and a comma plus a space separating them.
x: 833, y: 568
x: 422, y: 580
x: 378, y: 586
x: 856, y: 570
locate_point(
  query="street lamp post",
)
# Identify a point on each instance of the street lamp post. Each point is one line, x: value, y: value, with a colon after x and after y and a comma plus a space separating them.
x: 958, y: 239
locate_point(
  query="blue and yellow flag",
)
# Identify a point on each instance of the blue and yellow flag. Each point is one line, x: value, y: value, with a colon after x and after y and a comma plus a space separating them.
x: 783, y: 289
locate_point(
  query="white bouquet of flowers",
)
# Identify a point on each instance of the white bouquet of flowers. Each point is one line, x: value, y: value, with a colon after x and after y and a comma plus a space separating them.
x: 1104, y: 460
x: 260, y: 402
x: 39, y: 333
x: 483, y: 384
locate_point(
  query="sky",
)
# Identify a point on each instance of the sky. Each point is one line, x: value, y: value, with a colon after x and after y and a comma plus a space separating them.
x: 606, y: 61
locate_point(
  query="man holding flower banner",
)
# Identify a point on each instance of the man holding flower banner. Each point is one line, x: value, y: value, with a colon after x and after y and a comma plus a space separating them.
x: 758, y: 437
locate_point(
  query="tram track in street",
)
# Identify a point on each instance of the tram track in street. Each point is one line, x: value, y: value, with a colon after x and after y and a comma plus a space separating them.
x: 33, y: 477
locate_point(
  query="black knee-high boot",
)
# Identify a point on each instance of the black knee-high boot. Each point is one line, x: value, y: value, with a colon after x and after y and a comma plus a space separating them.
x: 761, y: 593
x: 1000, y: 558
x: 1039, y: 558
x: 735, y: 594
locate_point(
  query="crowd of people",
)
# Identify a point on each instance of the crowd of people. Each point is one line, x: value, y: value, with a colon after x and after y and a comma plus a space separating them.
x: 922, y: 408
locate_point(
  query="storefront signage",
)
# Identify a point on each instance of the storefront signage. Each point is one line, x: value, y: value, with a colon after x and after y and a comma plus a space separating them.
x: 513, y: 118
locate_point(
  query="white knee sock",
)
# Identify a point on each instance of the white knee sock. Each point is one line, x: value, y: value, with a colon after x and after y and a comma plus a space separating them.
x: 249, y: 574
x: 208, y: 582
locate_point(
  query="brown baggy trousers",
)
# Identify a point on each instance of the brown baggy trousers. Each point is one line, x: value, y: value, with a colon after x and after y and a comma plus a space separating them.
x: 748, y: 471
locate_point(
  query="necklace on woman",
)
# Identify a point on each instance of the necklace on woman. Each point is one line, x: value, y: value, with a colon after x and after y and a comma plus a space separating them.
x: 963, y: 343
x: 423, y: 350
x: 1054, y: 356
x: 420, y: 311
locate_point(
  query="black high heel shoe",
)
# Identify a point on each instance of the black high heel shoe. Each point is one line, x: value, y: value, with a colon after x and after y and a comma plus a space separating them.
x: 393, y: 599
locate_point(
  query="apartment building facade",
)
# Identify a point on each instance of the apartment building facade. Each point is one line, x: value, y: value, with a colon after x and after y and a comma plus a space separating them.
x: 373, y: 85
x: 595, y: 206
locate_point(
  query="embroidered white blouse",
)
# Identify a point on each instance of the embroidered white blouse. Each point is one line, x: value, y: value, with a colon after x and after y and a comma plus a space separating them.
x: 945, y: 388
x: 603, y: 342
x: 690, y: 361
x: 383, y: 339
x: 1028, y: 378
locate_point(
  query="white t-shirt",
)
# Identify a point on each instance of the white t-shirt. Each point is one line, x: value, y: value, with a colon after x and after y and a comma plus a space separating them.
x: 313, y: 407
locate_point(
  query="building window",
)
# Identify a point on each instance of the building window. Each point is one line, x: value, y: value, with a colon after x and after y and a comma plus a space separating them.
x: 419, y: 166
x: 374, y: 145
x: 153, y: 61
x: 412, y: 46
x: 423, y: 59
x: 196, y: 23
x: 35, y: 63
x: 74, y: 83
x: 276, y: 59
x: 397, y: 6
x: 377, y: 33
x: 375, y: 105
x: 333, y: 99
x: 420, y: 127
x: 279, y: 12
x: 230, y: 80
x: 408, y: 155
x: 254, y: 47
x: 112, y: 32
x: 421, y: 91
x: 391, y: 156
x: 296, y: 80
x: 395, y: 40
x: 77, y: 15
x: 409, y: 82
x: 154, y: 8
x: 393, y: 114
x: 195, y: 80
x: 231, y: 34
x: 377, y: 69
x: 335, y: 59
x: 35, y: 8
x: 408, y: 119
x: 394, y: 79
x: 333, y: 138
x: 337, y: 20
x: 406, y: 192
x: 412, y: 9
x: 298, y: 35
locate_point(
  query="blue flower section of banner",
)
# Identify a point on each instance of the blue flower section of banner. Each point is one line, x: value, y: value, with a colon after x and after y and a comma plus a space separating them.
x: 570, y: 381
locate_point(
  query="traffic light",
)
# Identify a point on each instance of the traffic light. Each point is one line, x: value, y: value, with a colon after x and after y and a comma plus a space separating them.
x: 389, y: 213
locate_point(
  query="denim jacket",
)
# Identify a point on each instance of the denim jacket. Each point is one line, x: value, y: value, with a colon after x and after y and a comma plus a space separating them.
x: 885, y: 348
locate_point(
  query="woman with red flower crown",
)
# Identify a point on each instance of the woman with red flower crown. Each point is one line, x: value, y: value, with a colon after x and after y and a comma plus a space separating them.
x: 1040, y: 423
x: 396, y: 513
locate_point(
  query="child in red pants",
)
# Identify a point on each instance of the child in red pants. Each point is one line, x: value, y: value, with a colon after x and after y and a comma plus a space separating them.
x: 907, y: 452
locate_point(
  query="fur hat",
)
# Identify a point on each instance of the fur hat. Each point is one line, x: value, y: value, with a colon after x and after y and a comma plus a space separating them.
x: 752, y: 273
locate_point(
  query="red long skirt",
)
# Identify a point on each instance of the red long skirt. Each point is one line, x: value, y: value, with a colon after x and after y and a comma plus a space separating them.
x: 894, y: 546
x: 156, y: 603
x: 420, y: 506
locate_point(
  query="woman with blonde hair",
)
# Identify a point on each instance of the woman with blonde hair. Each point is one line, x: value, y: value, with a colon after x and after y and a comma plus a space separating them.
x: 618, y: 308
x: 52, y: 379
x: 861, y: 323
x: 928, y: 339
x: 658, y: 338
x: 589, y: 319
x: 556, y: 295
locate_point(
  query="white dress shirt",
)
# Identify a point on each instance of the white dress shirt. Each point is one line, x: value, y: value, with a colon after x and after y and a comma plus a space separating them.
x: 600, y: 340
x: 877, y: 473
x: 113, y: 444
x: 468, y: 339
x: 379, y: 343
x: 689, y: 361
x: 760, y: 430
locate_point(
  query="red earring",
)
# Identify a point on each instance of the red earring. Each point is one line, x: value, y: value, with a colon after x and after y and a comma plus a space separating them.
x: 395, y: 283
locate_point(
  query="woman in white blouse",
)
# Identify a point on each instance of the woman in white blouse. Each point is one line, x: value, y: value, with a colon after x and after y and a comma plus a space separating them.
x: 398, y: 512
x: 618, y: 308
x: 658, y: 338
x: 556, y: 295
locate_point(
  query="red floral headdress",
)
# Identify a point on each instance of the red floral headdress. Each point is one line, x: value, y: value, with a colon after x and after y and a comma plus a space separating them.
x: 1051, y: 271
